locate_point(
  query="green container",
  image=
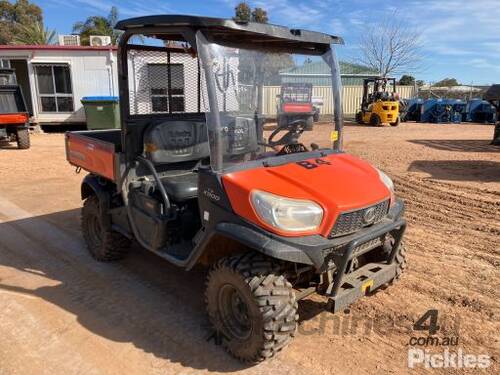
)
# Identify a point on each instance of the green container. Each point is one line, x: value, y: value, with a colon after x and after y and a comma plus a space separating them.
x: 102, y: 112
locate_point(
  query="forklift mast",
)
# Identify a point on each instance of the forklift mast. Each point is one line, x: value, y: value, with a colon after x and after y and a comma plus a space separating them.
x: 380, y: 86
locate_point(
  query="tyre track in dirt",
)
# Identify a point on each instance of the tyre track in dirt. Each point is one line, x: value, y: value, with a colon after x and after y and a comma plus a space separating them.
x: 468, y: 220
x: 462, y: 273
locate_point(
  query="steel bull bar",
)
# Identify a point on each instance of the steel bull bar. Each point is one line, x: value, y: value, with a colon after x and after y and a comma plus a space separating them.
x: 348, y: 287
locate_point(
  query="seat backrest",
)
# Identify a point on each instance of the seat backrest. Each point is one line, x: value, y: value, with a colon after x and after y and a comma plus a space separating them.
x: 179, y: 141
x: 239, y: 135
x: 176, y: 141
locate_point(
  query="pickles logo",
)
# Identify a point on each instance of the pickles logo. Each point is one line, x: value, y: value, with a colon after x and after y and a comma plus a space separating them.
x: 448, y: 358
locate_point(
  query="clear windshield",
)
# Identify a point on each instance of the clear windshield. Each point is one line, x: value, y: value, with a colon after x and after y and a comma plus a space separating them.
x: 263, y: 104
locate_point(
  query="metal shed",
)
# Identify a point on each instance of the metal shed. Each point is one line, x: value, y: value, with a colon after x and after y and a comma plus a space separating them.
x: 317, y: 73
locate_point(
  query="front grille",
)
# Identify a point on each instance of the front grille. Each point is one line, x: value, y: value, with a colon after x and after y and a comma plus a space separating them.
x: 350, y: 222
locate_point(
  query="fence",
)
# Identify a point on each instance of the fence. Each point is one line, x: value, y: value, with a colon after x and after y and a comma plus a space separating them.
x: 351, y: 97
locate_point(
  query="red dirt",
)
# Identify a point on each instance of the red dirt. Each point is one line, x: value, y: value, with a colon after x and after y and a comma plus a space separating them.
x: 64, y: 313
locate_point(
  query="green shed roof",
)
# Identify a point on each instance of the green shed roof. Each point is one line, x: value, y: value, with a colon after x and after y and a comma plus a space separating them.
x: 318, y: 73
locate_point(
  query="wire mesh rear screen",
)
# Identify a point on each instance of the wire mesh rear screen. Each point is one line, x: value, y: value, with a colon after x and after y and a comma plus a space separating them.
x: 164, y: 81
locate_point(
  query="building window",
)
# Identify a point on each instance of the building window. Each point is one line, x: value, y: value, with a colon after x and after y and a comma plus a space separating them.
x: 161, y: 99
x: 54, y: 87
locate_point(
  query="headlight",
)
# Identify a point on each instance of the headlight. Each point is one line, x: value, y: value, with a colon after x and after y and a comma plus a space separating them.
x: 390, y: 185
x: 386, y: 180
x: 291, y: 215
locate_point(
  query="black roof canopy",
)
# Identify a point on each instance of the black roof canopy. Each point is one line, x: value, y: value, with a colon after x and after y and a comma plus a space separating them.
x: 232, y: 32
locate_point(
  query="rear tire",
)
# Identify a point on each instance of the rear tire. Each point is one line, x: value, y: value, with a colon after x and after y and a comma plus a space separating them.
x: 251, y: 306
x: 23, y: 139
x: 375, y: 120
x: 103, y: 243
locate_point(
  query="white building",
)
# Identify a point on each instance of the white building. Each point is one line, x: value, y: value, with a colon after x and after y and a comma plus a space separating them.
x: 55, y: 78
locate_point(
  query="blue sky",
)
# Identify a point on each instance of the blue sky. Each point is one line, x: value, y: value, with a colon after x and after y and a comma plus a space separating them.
x: 460, y: 38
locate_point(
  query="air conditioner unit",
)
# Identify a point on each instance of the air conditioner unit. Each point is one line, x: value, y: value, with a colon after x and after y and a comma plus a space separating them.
x: 69, y: 40
x: 100, y: 40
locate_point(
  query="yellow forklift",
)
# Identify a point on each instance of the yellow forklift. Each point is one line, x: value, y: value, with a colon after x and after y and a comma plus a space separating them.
x: 380, y: 102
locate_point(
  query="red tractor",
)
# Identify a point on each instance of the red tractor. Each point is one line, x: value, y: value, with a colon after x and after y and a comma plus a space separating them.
x: 14, y: 118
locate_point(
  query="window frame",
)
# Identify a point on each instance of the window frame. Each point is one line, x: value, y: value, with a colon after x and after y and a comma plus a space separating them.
x: 55, y: 94
x: 169, y: 95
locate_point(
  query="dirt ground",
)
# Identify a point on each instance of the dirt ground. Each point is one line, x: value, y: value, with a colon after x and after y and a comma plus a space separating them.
x: 63, y: 313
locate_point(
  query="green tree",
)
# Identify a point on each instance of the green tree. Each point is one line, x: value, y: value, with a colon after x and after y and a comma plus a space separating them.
x: 34, y: 34
x: 98, y: 25
x: 447, y: 82
x: 254, y: 65
x: 259, y: 15
x: 13, y: 16
x: 242, y: 12
x: 407, y: 80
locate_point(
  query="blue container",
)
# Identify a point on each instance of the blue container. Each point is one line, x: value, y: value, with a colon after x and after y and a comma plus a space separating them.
x: 479, y: 110
x: 442, y: 111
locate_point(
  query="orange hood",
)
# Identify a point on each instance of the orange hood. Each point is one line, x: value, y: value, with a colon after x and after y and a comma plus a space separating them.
x: 337, y: 182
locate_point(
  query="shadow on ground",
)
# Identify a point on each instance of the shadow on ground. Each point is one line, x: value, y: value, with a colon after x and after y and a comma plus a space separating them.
x: 459, y: 170
x: 458, y: 145
x: 8, y: 145
x: 143, y: 299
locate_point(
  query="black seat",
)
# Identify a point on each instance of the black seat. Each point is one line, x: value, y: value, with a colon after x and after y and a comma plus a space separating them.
x: 182, y: 185
x: 175, y: 147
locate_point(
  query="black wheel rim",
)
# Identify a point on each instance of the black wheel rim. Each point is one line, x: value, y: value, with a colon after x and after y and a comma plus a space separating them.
x: 234, y: 312
x: 95, y: 231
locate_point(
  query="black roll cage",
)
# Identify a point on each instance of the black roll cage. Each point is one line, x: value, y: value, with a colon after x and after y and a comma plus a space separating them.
x: 227, y: 32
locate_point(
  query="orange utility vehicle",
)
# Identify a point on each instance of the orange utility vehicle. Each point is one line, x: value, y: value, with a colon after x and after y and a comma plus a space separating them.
x: 295, y: 103
x: 14, y: 118
x: 192, y: 178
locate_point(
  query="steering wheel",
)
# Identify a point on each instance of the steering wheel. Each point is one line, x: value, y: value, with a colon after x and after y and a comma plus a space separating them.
x: 293, y: 130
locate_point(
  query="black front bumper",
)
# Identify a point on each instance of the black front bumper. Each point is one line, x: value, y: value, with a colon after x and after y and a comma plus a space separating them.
x: 315, y: 250
x: 331, y: 257
x: 359, y: 283
x: 345, y: 287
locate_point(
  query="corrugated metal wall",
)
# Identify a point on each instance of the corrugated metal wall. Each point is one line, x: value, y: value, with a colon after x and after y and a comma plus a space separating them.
x: 351, y: 98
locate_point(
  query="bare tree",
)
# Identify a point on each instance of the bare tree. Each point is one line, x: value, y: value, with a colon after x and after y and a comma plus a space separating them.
x: 391, y: 47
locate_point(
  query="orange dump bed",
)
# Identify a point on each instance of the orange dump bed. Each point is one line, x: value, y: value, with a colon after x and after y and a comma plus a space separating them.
x: 13, y: 118
x: 88, y: 150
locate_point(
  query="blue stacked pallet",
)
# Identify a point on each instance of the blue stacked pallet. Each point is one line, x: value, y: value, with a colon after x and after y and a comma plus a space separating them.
x: 442, y: 111
x: 479, y: 110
